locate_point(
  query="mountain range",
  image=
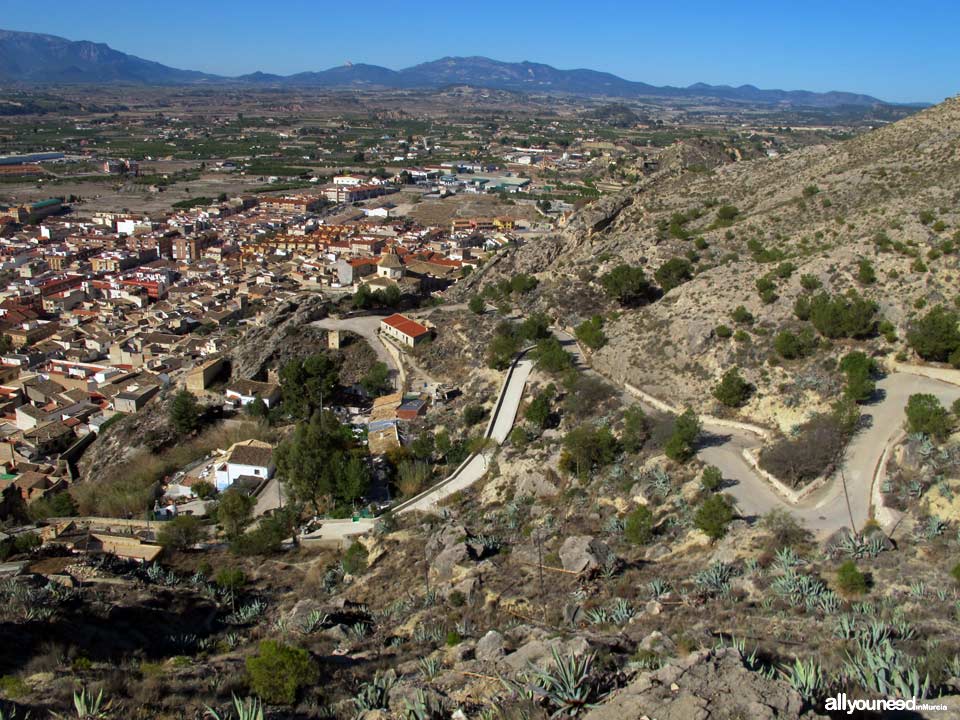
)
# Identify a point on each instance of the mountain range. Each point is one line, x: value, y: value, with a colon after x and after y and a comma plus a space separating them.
x: 37, y: 58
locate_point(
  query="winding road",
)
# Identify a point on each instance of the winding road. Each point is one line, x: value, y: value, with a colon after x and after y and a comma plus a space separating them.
x: 824, y: 510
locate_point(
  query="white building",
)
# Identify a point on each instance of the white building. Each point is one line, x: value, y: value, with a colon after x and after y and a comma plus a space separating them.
x: 250, y: 459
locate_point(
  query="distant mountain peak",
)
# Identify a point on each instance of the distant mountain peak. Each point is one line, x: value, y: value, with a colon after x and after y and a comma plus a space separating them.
x: 37, y: 58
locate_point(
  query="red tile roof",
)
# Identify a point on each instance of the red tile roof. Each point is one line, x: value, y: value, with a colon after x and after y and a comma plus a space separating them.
x: 405, y: 325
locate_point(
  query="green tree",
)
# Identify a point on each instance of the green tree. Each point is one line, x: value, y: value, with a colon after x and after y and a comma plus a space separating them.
x: 278, y: 671
x: 539, y: 409
x: 185, y: 412
x: 258, y: 409
x: 732, y: 390
x: 181, y: 533
x: 638, y: 526
x: 590, y: 333
x: 935, y: 336
x: 235, y: 511
x: 535, y: 326
x: 714, y: 515
x: 503, y: 346
x: 376, y: 381
x: 305, y: 382
x: 636, y: 429
x: 204, y: 489
x: 314, y: 463
x: 926, y: 415
x: 681, y: 444
x: 673, y: 273
x: 850, y: 580
x: 711, y: 478
x: 588, y: 446
x: 841, y: 316
x: 859, y: 370
x: 626, y: 284
x: 552, y: 357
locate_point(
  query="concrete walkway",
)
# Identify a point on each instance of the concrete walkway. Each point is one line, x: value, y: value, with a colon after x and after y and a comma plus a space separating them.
x: 335, y: 533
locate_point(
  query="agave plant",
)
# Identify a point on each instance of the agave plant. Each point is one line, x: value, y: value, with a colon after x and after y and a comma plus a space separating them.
x: 248, y: 709
x: 658, y: 588
x: 885, y: 671
x: 621, y: 611
x: 806, y: 677
x: 786, y: 558
x: 598, y: 616
x: 567, y: 686
x: 315, y: 620
x: 430, y: 667
x: 714, y: 580
x: 375, y: 695
x: 10, y: 712
x: 423, y: 707
x: 87, y: 706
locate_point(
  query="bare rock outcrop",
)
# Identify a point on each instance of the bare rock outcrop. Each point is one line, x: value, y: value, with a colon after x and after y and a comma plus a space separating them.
x: 705, y: 685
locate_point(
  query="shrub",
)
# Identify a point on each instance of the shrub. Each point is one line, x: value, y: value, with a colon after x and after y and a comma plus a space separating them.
x: 936, y: 335
x: 784, y: 529
x: 733, y: 390
x: 840, y: 316
x: 742, y: 316
x: 723, y: 331
x: 810, y: 282
x: 354, y: 561
x: 181, y: 533
x: 714, y: 515
x: 638, y: 526
x: 791, y: 346
x: 673, y: 272
x: 590, y: 333
x: 727, y: 213
x: 204, y: 489
x: 850, y: 580
x: 626, y: 284
x: 686, y: 429
x: 711, y: 478
x: 538, y: 411
x: 278, y: 671
x: 866, y: 275
x: 477, y: 305
x: 472, y: 414
x: 785, y: 270
x: 955, y: 573
x: 926, y: 415
x: 453, y: 638
x: 268, y: 537
x: 636, y: 430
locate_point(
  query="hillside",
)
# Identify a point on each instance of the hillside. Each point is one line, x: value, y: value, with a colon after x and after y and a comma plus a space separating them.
x: 33, y: 57
x: 888, y: 197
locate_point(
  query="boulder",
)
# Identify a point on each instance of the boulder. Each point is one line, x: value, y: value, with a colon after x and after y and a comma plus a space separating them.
x: 443, y: 564
x: 584, y: 553
x: 490, y: 648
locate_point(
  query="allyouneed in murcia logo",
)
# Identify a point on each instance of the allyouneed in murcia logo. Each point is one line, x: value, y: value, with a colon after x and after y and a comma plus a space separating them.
x: 842, y: 703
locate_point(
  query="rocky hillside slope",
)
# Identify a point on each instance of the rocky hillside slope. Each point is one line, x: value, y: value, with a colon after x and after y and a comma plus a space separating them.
x: 889, y: 197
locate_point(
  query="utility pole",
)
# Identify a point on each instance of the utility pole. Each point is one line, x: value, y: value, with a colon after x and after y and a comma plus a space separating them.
x: 543, y: 602
x: 843, y: 480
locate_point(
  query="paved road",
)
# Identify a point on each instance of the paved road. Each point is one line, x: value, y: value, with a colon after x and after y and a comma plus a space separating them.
x: 825, y: 510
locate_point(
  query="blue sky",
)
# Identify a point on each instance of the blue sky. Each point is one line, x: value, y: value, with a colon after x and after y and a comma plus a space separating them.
x: 898, y: 51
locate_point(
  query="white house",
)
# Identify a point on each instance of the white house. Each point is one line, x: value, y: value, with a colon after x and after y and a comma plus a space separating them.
x: 249, y: 460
